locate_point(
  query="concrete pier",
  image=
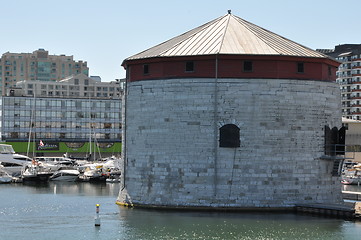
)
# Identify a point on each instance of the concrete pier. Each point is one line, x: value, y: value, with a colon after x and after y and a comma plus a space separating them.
x: 345, y: 211
x: 349, y: 210
x: 349, y: 195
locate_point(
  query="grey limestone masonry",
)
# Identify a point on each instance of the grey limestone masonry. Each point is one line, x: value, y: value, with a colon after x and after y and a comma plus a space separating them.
x: 172, y: 153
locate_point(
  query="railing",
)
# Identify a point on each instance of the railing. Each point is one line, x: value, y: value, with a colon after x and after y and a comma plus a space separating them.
x: 338, y: 151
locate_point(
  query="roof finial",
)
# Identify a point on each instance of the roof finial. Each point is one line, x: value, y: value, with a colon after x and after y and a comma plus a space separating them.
x: 229, y: 11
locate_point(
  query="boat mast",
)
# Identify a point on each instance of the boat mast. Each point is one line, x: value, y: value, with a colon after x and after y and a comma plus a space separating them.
x: 31, y: 125
x: 90, y: 132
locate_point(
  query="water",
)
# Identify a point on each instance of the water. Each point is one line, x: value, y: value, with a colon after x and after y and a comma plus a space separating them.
x: 67, y: 211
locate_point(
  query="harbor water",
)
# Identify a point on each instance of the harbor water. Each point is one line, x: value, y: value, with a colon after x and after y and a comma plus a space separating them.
x: 67, y: 211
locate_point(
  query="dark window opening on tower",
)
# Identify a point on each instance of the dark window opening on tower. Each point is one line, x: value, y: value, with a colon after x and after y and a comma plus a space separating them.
x: 145, y: 69
x: 229, y: 136
x: 247, y: 66
x: 189, y: 66
x: 335, y: 141
x: 300, y: 67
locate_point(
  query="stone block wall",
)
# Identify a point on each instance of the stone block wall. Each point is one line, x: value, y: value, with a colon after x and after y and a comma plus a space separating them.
x: 172, y: 153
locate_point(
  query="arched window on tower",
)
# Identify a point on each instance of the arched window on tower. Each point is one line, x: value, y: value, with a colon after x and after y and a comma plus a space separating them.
x: 229, y: 136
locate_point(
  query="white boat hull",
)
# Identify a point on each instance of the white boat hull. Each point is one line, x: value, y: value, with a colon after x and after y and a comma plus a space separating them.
x: 65, y: 178
x: 351, y: 181
x: 14, y: 171
x: 65, y: 175
x: 5, y: 179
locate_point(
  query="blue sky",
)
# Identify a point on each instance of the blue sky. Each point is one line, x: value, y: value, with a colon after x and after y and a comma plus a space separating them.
x: 104, y: 33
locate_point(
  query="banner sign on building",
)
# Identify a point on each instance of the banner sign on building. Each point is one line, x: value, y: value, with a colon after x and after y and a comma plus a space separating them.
x: 44, y: 146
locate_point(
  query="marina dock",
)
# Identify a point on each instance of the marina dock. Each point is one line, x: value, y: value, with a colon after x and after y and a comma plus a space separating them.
x: 349, y: 195
x: 350, y: 210
x: 330, y: 210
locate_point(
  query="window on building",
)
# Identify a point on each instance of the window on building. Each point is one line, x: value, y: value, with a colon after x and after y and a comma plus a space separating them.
x: 78, y: 104
x: 300, y: 67
x: 334, y: 141
x: 190, y: 66
x: 247, y: 66
x: 229, y: 136
x: 145, y: 69
x: 14, y: 135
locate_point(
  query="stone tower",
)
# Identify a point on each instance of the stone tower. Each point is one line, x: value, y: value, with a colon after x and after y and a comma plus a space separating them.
x: 229, y: 115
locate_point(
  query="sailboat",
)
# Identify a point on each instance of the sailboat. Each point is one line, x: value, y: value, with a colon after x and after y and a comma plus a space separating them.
x: 93, y: 171
x: 36, y: 171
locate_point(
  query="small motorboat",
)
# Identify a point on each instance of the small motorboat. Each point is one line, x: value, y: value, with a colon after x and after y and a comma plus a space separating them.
x: 93, y: 173
x: 66, y: 175
x: 113, y: 176
x: 36, y: 171
x: 4, y: 176
x: 12, y: 162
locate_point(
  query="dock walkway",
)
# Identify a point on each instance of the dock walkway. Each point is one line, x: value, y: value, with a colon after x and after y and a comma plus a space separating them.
x: 348, y: 210
x: 348, y: 195
x: 332, y: 210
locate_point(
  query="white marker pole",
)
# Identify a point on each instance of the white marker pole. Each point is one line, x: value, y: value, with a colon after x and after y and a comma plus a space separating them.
x: 97, y: 218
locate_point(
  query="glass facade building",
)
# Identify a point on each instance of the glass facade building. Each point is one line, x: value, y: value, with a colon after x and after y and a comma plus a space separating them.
x: 58, y: 119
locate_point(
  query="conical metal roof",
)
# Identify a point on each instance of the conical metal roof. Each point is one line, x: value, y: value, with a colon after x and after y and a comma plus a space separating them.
x: 228, y: 34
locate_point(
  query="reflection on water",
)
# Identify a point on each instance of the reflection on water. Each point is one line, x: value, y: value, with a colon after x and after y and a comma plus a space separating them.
x: 143, y: 224
x: 67, y: 210
x: 72, y: 188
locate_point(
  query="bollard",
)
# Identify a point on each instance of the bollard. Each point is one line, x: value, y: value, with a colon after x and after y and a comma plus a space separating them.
x: 97, y: 218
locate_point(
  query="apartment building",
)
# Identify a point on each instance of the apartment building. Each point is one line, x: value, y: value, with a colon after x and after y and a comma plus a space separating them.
x: 74, y: 86
x: 38, y: 65
x: 65, y: 114
x: 349, y: 77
